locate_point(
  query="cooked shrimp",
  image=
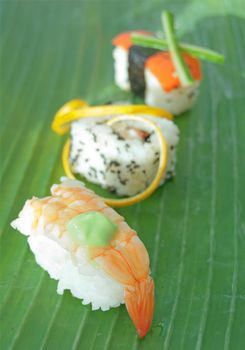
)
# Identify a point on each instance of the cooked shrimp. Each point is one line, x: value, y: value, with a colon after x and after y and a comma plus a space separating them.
x: 124, y: 259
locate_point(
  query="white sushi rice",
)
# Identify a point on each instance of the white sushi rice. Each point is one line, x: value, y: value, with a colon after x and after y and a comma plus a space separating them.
x: 123, y: 164
x: 95, y: 287
x: 176, y: 101
x: 120, y: 56
x: 74, y: 273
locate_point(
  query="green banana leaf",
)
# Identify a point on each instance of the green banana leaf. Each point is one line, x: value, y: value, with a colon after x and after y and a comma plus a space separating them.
x: 193, y: 226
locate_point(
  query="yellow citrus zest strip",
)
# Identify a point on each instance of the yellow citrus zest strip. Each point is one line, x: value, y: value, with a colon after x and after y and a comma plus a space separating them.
x: 65, y: 159
x: 77, y: 109
x: 153, y: 185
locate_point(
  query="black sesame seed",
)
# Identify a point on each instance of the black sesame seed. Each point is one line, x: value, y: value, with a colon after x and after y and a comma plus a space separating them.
x: 103, y: 158
x: 114, y: 162
x: 73, y: 160
x: 94, y: 137
x: 119, y: 137
x: 147, y: 138
x: 94, y: 171
x: 112, y: 189
x: 191, y: 95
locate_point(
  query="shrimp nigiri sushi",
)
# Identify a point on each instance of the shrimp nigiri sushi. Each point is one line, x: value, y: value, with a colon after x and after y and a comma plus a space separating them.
x: 90, y: 250
x: 151, y: 73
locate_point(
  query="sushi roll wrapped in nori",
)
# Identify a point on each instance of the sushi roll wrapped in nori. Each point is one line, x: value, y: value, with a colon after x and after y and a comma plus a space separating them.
x: 122, y: 157
x: 151, y: 73
x: 90, y: 250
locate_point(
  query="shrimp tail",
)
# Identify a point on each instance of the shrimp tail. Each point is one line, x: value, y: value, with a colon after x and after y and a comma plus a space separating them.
x: 139, y: 301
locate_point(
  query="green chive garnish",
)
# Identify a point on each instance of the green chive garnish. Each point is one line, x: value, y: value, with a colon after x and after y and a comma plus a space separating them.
x: 193, y: 50
x: 182, y: 70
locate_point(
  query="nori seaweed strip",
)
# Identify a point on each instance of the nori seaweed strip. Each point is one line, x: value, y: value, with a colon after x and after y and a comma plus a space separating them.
x: 136, y: 63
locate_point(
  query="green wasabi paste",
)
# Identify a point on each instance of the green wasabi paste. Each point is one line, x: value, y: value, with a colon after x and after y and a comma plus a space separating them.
x: 92, y: 229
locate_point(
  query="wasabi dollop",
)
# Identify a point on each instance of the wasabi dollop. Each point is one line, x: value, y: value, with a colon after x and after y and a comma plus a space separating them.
x: 93, y: 229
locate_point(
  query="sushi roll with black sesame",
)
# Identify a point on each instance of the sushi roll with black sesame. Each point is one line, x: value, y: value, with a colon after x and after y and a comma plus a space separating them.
x: 122, y: 157
x: 151, y: 73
